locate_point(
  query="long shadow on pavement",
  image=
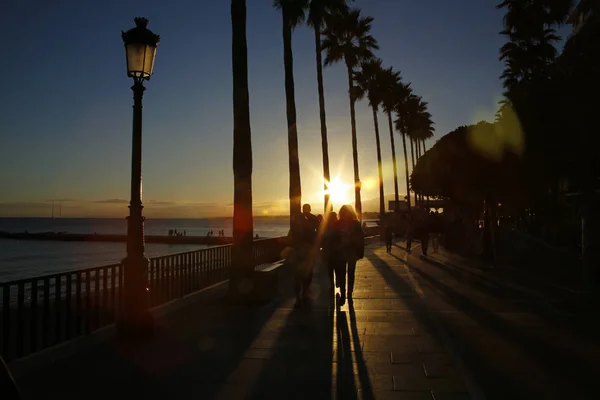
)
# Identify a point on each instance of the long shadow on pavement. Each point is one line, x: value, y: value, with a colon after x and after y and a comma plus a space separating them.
x: 560, y: 362
x: 345, y: 384
x: 299, y: 365
x: 194, y: 350
x: 520, y: 296
x: 424, y: 316
x: 363, y: 375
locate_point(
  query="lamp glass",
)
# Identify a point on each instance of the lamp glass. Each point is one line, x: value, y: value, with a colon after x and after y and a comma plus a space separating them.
x: 140, y: 59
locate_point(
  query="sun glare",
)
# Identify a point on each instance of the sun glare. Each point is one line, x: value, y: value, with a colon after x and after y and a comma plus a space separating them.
x: 338, y: 191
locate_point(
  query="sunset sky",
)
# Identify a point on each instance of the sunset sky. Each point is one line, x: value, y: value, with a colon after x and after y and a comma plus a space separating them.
x: 65, y: 108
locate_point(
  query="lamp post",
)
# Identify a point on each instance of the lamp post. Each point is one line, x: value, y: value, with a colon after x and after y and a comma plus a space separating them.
x: 135, y: 319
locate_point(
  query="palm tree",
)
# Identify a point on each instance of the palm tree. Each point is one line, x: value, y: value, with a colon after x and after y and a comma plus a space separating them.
x: 241, y: 250
x: 393, y: 91
x: 405, y: 107
x: 423, y: 128
x: 419, y: 126
x: 318, y: 12
x: 292, y: 12
x: 347, y: 37
x: 368, y: 83
x: 530, y: 29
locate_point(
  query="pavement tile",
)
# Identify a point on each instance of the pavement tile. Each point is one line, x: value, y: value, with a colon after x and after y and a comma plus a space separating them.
x: 380, y: 382
x: 428, y: 347
x: 387, y: 368
x: 393, y: 395
x: 450, y: 396
x: 413, y: 382
x: 247, y: 370
x: 433, y: 369
x: 402, y: 357
x: 447, y: 385
x: 259, y: 354
x: 392, y: 331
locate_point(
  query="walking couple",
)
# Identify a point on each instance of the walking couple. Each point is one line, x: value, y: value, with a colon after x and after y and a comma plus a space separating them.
x: 342, y: 241
x: 343, y: 245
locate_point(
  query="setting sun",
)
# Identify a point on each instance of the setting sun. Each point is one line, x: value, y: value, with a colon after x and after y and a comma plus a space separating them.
x: 338, y: 191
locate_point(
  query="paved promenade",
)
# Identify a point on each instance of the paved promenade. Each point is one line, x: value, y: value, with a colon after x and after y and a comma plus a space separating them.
x: 418, y: 328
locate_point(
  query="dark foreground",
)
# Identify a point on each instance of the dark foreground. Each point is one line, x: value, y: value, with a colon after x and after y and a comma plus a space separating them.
x: 416, y: 330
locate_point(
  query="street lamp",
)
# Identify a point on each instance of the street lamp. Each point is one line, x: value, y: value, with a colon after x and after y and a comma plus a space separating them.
x: 135, y: 319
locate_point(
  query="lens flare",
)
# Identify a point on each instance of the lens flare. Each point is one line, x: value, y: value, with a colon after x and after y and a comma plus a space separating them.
x: 338, y: 191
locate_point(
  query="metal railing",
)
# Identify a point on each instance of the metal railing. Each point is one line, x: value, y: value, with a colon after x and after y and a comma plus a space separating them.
x: 41, y: 312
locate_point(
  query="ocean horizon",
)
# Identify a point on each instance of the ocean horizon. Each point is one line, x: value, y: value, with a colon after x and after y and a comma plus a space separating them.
x: 21, y: 259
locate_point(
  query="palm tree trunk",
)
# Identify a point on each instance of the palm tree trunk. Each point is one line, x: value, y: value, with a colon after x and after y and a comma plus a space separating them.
x: 418, y: 155
x: 379, y: 167
x: 294, y: 163
x: 396, y: 197
x: 357, y: 184
x: 412, y: 152
x: 412, y: 158
x: 406, y: 170
x: 327, y: 206
x: 427, y: 198
x: 242, y: 248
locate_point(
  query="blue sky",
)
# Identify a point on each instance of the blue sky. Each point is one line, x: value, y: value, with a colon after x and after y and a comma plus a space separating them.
x: 65, y: 108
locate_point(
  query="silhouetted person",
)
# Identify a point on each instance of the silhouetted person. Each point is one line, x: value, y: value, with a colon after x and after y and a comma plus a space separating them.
x: 304, y: 234
x: 424, y: 232
x: 352, y: 248
x: 331, y: 250
x: 409, y: 233
x: 388, y: 236
x: 256, y: 237
x: 170, y: 232
x: 435, y: 230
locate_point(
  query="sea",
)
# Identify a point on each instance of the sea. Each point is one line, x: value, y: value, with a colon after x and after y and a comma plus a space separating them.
x: 21, y: 259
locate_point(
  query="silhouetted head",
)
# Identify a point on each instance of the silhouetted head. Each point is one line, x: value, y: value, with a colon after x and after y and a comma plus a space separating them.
x: 306, y: 208
x: 320, y: 218
x: 333, y: 216
x: 347, y: 213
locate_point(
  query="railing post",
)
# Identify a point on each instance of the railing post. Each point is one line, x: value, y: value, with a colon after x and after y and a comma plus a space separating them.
x: 78, y: 306
x: 20, y: 333
x: 6, y: 320
x: 33, y: 334
x: 68, y: 321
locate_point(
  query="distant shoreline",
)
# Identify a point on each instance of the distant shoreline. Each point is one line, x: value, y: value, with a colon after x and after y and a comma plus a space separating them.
x: 85, y: 237
x: 366, y: 215
x: 153, y: 218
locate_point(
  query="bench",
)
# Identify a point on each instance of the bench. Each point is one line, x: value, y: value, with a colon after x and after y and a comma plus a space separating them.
x: 266, y: 280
